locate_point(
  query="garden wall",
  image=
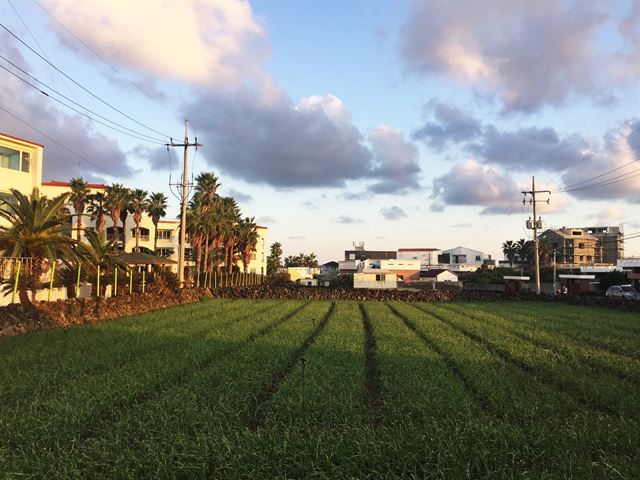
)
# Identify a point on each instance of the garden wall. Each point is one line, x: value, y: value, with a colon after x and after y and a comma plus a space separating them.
x: 16, y: 318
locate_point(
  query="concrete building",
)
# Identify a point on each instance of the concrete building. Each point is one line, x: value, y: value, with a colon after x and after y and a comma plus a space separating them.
x: 375, y: 279
x: 438, y: 275
x: 575, y: 246
x: 20, y: 165
x: 460, y: 256
x: 426, y: 256
x: 610, y: 246
x: 405, y: 270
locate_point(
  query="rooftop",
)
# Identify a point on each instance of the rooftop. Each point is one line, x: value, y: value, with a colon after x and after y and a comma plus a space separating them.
x: 21, y: 139
x: 55, y: 183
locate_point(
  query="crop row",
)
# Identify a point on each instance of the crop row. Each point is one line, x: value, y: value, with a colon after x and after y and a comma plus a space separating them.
x: 199, y: 418
x: 594, y: 389
x: 598, y: 328
x: 579, y: 352
x: 48, y: 421
x: 77, y: 362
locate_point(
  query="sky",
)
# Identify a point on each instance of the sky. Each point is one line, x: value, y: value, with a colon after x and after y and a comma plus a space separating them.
x: 400, y: 124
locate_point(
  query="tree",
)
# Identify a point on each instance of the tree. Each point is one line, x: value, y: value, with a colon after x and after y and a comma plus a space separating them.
x: 274, y: 260
x: 35, y: 230
x: 248, y: 238
x: 98, y: 252
x: 99, y: 211
x: 206, y: 188
x: 510, y: 249
x: 138, y: 203
x: 79, y: 197
x: 157, y: 209
x: 545, y: 250
x: 301, y: 260
x: 116, y: 201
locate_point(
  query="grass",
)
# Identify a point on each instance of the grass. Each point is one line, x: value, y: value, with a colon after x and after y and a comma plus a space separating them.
x: 293, y: 389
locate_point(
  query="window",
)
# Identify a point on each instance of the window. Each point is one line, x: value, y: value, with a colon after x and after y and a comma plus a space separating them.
x: 144, y: 234
x: 15, y: 159
x: 477, y: 258
x: 26, y: 161
x: 164, y: 252
x: 9, y: 158
x: 164, y: 234
x: 379, y: 278
x: 581, y: 245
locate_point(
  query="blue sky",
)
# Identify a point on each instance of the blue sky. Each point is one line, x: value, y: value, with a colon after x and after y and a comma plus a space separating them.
x: 397, y: 123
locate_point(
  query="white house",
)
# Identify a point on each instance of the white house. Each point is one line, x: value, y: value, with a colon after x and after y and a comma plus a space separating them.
x: 374, y: 278
x: 405, y: 270
x: 462, y: 259
x: 439, y: 275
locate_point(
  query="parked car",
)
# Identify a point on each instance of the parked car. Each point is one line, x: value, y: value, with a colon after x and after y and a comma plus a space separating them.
x: 624, y: 291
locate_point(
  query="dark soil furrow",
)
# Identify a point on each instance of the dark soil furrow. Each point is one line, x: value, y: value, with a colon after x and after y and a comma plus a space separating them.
x: 457, y: 372
x: 538, y: 342
x: 259, y: 407
x: 114, y: 411
x: 537, y: 374
x: 372, y: 372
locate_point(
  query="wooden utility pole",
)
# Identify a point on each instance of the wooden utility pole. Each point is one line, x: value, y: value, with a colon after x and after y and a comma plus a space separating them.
x: 183, y: 197
x: 535, y: 224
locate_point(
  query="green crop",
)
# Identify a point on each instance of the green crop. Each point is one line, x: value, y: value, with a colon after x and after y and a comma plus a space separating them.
x: 294, y: 389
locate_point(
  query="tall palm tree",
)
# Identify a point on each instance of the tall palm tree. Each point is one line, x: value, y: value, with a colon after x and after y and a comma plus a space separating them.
x: 116, y: 201
x: 138, y: 203
x: 248, y: 238
x: 510, y: 249
x: 196, y: 228
x: 157, y: 209
x: 206, y: 188
x: 36, y: 230
x: 99, y: 211
x: 80, y: 195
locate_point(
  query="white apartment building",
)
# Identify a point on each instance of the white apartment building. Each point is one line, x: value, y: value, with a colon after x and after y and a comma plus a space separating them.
x: 21, y: 169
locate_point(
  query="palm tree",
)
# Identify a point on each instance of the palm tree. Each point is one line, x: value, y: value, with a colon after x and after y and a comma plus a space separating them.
x: 196, y: 229
x: 248, y: 238
x: 80, y: 195
x: 98, y: 211
x: 156, y: 209
x: 510, y: 249
x: 545, y: 250
x: 139, y: 204
x: 116, y: 201
x: 206, y: 188
x: 98, y: 252
x: 36, y: 231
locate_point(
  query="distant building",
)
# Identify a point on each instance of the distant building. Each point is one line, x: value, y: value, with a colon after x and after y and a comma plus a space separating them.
x: 405, y: 270
x: 611, y: 243
x: 438, y: 275
x: 375, y: 278
x: 427, y: 256
x: 329, y: 268
x: 575, y: 246
x: 369, y: 254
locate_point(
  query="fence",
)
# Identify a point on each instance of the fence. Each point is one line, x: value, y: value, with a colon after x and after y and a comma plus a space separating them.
x: 15, y: 276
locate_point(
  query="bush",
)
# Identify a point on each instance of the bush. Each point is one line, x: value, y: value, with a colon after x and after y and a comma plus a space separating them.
x: 279, y: 279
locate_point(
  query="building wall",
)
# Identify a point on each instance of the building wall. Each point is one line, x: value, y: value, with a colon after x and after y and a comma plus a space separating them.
x: 460, y: 256
x: 258, y: 263
x: 405, y: 270
x: 426, y: 258
x: 374, y: 280
x: 15, y: 152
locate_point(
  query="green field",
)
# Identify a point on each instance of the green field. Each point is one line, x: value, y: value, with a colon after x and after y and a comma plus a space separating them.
x: 293, y: 389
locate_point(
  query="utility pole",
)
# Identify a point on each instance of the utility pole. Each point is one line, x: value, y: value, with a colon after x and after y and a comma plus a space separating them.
x: 183, y: 189
x: 535, y: 224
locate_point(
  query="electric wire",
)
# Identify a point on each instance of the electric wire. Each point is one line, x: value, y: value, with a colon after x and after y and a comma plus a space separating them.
x: 80, y: 85
x: 604, y: 183
x: 103, y: 60
x: 601, y: 175
x: 137, y: 135
x: 57, y: 142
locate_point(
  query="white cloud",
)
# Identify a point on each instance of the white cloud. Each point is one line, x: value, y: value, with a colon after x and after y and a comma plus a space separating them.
x: 531, y: 53
x: 213, y: 43
x: 393, y: 213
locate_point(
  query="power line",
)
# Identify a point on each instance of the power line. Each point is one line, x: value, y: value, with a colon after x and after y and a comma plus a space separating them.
x: 135, y: 134
x: 604, y: 183
x: 601, y: 175
x: 80, y: 85
x: 103, y: 60
x: 56, y: 142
